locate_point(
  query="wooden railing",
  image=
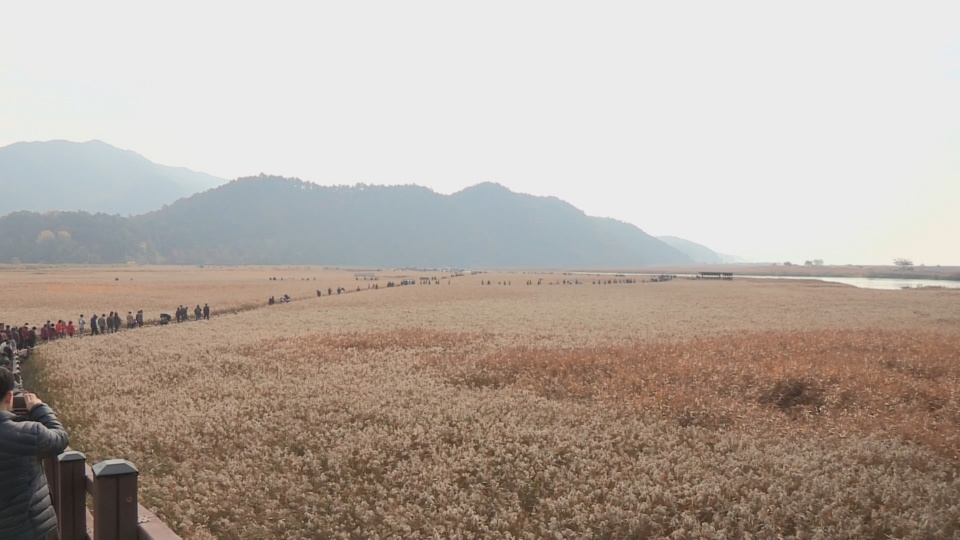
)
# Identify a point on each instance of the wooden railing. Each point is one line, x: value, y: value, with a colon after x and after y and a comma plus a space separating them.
x: 112, y: 484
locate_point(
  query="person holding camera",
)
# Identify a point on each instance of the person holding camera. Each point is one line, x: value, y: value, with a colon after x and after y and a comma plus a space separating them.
x: 26, y: 512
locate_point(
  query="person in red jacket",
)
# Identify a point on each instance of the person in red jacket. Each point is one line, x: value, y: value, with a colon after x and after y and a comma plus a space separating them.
x: 70, y: 329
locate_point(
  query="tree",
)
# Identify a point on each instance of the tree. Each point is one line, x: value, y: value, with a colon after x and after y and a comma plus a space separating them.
x: 903, y: 263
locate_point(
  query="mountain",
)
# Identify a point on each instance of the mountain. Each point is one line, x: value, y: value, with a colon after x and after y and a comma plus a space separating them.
x: 91, y: 176
x: 273, y: 220
x: 732, y: 259
x: 696, y: 252
x: 511, y: 229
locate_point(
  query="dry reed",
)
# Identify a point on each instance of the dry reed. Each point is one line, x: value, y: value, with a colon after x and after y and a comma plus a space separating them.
x: 678, y: 410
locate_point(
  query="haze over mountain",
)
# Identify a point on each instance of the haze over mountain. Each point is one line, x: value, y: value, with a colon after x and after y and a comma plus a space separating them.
x: 278, y: 220
x: 91, y: 176
x: 698, y: 253
x: 273, y: 220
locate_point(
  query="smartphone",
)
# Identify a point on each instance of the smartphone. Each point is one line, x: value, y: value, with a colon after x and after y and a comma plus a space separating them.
x: 20, y: 405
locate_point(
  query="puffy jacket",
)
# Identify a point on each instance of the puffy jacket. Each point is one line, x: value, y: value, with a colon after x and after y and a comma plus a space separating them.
x: 26, y: 512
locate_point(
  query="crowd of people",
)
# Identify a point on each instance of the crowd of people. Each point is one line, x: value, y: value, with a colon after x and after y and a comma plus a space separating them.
x: 29, y: 429
x: 183, y: 314
x: 29, y: 336
x: 25, y: 337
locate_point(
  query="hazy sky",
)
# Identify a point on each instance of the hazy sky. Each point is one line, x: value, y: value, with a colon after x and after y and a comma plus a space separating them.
x: 771, y: 130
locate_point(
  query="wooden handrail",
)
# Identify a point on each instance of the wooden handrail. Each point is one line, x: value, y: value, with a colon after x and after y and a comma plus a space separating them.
x: 112, y: 484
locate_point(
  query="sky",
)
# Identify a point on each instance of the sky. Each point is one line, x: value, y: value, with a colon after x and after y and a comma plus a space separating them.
x: 773, y: 131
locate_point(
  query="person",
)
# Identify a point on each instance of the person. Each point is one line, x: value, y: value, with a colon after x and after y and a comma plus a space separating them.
x: 139, y: 318
x: 131, y: 321
x: 197, y: 312
x: 26, y: 512
x: 206, y: 312
x: 94, y: 325
x: 81, y: 325
x: 12, y: 338
x: 6, y: 354
x: 70, y: 329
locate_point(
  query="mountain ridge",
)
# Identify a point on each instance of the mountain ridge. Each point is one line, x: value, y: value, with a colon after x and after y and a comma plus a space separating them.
x: 91, y: 176
x: 698, y: 253
x: 58, y: 194
x: 275, y: 220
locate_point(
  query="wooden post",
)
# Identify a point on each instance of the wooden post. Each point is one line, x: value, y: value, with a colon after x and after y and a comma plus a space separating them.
x: 114, y: 500
x: 71, y: 495
x: 50, y: 471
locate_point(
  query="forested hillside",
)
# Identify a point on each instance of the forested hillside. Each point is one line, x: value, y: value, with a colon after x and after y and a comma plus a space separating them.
x: 273, y: 220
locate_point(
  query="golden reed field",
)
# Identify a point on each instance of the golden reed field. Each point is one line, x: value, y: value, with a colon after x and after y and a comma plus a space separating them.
x: 686, y: 409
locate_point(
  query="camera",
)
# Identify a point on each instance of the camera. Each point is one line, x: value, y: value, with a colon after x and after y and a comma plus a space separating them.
x: 20, y: 405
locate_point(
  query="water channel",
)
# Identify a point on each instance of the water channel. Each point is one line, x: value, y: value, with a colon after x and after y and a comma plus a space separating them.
x: 876, y: 283
x: 860, y: 282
